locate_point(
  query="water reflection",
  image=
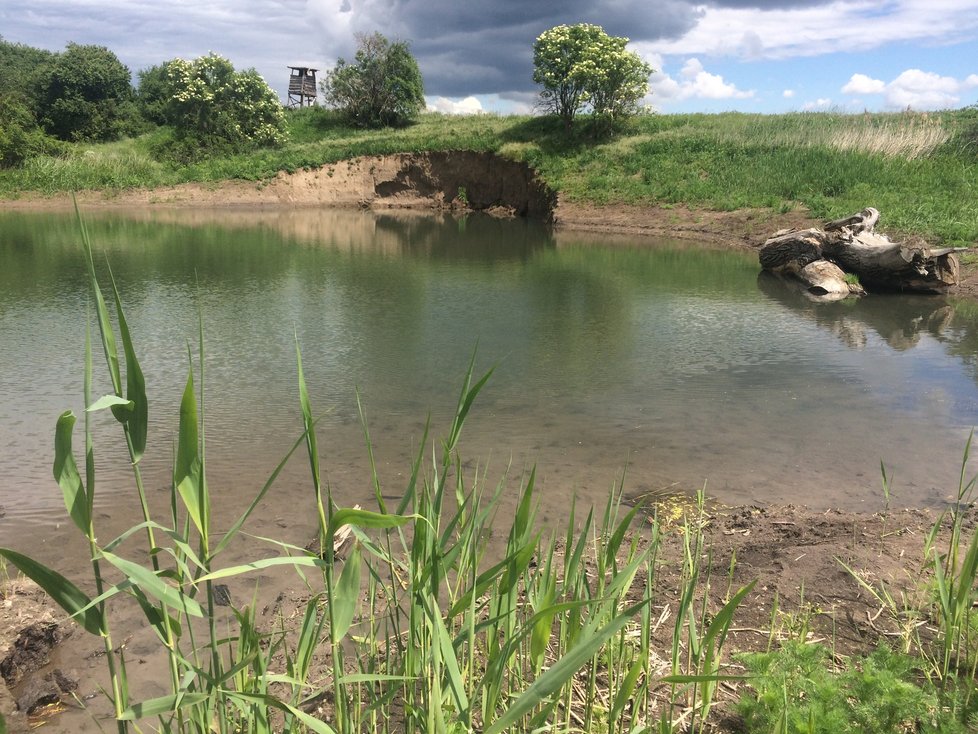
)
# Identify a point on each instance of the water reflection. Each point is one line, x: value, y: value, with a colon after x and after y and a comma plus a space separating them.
x: 899, y: 322
x: 666, y: 358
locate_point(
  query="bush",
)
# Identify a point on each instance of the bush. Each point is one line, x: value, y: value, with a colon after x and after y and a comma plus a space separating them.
x: 84, y: 94
x: 582, y: 67
x: 383, y: 87
x: 214, y: 108
x: 153, y: 94
x: 20, y: 136
x: 796, y: 692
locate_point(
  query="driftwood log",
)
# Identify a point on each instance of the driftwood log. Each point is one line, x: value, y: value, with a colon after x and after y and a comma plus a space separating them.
x: 821, y: 259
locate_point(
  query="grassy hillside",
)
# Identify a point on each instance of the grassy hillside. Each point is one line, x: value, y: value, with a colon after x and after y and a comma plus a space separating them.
x: 920, y: 169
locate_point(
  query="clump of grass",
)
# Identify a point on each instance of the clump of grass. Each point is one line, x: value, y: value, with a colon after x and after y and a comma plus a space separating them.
x: 948, y: 602
x: 908, y: 136
x: 797, y: 689
x: 699, y: 634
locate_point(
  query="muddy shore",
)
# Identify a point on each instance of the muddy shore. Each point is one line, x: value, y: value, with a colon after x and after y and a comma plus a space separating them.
x: 793, y: 553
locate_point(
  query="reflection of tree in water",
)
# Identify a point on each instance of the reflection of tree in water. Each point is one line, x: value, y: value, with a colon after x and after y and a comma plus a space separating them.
x: 961, y: 335
x: 898, y: 320
x: 473, y: 237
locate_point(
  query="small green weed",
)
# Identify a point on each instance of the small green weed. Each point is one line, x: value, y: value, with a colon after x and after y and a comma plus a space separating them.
x: 798, y: 691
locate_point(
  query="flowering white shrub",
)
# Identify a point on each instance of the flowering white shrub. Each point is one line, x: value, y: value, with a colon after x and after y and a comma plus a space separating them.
x: 583, y: 68
x: 222, y: 108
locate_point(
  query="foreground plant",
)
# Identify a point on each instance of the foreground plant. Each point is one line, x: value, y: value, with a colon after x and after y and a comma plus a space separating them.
x: 796, y: 690
x: 947, y: 600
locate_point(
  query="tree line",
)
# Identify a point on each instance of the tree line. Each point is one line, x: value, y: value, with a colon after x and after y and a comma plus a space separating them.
x: 205, y: 106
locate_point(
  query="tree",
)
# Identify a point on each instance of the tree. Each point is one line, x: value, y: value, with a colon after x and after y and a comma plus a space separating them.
x: 383, y: 87
x: 583, y: 68
x: 212, y: 107
x: 153, y: 94
x: 84, y: 94
x: 23, y: 67
x: 20, y: 135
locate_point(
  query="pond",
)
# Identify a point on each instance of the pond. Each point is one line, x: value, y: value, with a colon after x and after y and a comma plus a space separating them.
x: 665, y: 366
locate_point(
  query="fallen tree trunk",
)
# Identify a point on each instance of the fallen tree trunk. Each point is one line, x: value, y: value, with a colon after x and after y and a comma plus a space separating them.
x: 850, y: 244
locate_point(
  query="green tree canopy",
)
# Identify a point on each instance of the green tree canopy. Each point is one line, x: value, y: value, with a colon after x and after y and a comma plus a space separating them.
x: 83, y: 94
x: 23, y: 67
x: 213, y: 107
x: 583, y: 68
x: 382, y: 87
x: 153, y: 94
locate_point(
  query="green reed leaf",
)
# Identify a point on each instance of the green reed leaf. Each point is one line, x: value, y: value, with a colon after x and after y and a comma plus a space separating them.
x: 236, y: 526
x: 626, y: 689
x: 346, y: 595
x: 137, y: 418
x: 298, y: 561
x: 542, y: 689
x: 186, y: 472
x: 110, y: 401
x: 153, y: 585
x: 64, y: 593
x: 163, y: 705
x: 104, y: 323
x: 67, y: 476
x: 321, y: 727
x: 365, y: 519
x: 456, y: 683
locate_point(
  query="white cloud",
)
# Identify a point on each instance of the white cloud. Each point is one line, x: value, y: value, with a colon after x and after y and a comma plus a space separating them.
x: 694, y: 83
x: 788, y: 93
x: 465, y: 106
x: 823, y: 28
x: 919, y: 90
x: 819, y: 104
x: 862, y: 84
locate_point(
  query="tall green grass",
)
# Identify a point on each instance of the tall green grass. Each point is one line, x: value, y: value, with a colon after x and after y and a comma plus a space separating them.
x: 438, y: 615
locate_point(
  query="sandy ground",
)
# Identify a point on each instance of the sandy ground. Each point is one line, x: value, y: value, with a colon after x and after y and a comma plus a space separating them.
x: 793, y: 553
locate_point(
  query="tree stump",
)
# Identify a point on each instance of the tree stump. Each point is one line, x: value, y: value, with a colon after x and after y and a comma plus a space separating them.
x: 821, y: 258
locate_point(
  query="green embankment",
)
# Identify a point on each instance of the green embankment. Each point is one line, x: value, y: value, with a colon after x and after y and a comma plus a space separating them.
x: 920, y: 169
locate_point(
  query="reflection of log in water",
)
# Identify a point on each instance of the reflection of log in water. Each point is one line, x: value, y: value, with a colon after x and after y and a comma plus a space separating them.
x: 897, y: 321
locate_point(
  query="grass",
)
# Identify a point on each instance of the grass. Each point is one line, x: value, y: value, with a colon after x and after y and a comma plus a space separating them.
x: 918, y: 168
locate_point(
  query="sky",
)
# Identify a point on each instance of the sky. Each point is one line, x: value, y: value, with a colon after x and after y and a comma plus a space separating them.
x: 746, y: 55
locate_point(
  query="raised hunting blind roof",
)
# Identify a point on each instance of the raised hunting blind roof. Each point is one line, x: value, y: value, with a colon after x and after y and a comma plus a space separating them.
x: 302, y: 86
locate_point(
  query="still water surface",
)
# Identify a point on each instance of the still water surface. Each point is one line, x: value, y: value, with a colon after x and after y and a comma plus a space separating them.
x: 677, y: 362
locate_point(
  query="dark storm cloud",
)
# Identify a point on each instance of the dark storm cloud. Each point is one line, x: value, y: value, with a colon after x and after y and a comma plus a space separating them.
x: 483, y: 48
x: 769, y: 4
x: 463, y: 47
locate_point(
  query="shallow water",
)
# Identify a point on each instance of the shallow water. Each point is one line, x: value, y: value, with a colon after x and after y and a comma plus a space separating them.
x: 674, y: 364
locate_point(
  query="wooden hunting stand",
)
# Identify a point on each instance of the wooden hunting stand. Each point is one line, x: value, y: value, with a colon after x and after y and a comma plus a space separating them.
x: 302, y: 86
